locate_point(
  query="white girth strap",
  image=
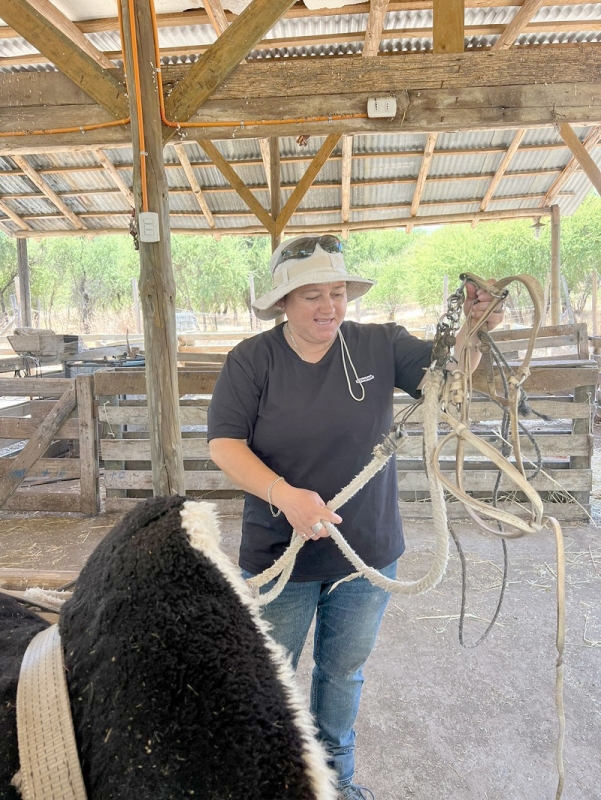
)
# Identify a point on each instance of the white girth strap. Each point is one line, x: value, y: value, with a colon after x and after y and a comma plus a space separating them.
x: 50, y: 768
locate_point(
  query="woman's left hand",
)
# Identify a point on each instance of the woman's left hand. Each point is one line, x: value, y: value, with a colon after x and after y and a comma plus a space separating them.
x: 476, y: 305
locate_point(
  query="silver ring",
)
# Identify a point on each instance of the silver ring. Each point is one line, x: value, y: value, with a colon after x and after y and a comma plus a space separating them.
x: 317, y: 527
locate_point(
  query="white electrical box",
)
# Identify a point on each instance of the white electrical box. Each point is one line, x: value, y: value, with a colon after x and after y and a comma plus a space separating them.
x: 148, y: 226
x: 384, y: 107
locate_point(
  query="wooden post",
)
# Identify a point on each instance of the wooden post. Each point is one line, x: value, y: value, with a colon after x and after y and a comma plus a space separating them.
x: 136, y: 295
x: 24, y: 283
x: 88, y: 446
x: 594, y: 326
x: 276, y: 196
x: 555, y: 266
x: 449, y: 26
x: 157, y: 285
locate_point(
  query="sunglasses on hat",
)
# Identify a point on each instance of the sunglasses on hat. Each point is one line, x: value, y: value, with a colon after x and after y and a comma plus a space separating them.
x: 305, y: 247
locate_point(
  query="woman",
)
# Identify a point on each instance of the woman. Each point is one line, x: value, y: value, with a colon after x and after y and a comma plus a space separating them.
x: 295, y: 415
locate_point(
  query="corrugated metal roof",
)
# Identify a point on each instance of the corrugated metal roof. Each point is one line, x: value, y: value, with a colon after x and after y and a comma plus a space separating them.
x: 384, y: 168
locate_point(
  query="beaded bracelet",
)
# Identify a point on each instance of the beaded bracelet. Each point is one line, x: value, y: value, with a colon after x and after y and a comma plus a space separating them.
x: 269, y: 488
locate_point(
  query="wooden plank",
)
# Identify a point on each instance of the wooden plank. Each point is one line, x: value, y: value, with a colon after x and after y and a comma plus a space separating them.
x: 222, y: 58
x: 123, y: 382
x: 546, y: 332
x: 346, y: 171
x: 502, y: 168
x: 582, y: 155
x: 237, y: 184
x: 305, y: 182
x: 422, y: 509
x: 482, y: 411
x: 38, y: 181
x: 423, y: 172
x: 50, y: 32
x: 124, y: 415
x: 525, y: 13
x: 34, y: 387
x: 583, y: 427
x: 206, y: 480
x: 115, y: 175
x: 89, y: 485
x: 193, y: 181
x: 15, y: 428
x: 19, y: 579
x: 139, y: 449
x: 551, y: 378
x: 555, y: 480
x: 6, y: 209
x: 375, y: 25
x: 37, y: 444
x: 572, y: 166
x: 217, y: 16
x: 46, y: 467
x: 448, y: 27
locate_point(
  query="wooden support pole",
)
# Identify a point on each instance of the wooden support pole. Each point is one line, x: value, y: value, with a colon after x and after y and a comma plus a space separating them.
x: 89, y: 480
x: 38, y: 444
x: 449, y: 26
x: 555, y: 265
x: 24, y: 283
x: 276, y: 193
x: 594, y: 289
x: 157, y: 285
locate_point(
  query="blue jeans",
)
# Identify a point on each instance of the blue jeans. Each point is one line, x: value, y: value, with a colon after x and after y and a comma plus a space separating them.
x: 346, y: 626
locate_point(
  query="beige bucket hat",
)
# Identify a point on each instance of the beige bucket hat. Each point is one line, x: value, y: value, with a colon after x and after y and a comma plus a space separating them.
x: 290, y: 273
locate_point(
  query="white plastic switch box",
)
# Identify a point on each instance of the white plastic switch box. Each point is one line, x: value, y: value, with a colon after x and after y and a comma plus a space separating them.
x: 381, y: 107
x: 148, y: 226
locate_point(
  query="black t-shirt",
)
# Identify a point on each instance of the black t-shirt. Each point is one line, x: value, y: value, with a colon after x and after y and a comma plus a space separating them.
x: 301, y: 421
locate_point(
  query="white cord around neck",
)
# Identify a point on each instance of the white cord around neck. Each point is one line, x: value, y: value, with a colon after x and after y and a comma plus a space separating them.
x: 344, y: 350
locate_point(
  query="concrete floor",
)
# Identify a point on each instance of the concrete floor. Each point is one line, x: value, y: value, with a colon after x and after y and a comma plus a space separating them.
x: 439, y: 722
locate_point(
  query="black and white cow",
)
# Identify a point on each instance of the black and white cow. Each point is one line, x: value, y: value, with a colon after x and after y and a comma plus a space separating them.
x: 176, y: 688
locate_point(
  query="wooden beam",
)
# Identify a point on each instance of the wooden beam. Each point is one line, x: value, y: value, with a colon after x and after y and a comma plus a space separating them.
x: 527, y: 10
x: 37, y: 444
x: 217, y: 16
x: 571, y: 168
x: 581, y: 154
x: 50, y: 194
x: 157, y: 284
x: 375, y: 25
x: 305, y: 182
x: 114, y: 173
x: 24, y: 284
x: 423, y: 172
x: 6, y: 209
x: 194, y: 184
x: 448, y: 28
x: 555, y: 265
x: 222, y: 58
x: 237, y: 183
x: 502, y: 168
x: 49, y: 31
x: 347, y: 166
x: 266, y: 158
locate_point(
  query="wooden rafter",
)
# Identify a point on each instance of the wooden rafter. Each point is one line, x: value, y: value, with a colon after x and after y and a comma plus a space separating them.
x: 114, y: 173
x: 266, y: 159
x: 581, y: 154
x: 222, y: 58
x: 43, y: 26
x: 305, y: 182
x: 194, y: 184
x: 347, y: 163
x: 375, y: 25
x: 238, y: 184
x: 7, y: 210
x: 38, y: 181
x: 449, y: 24
x: 423, y: 172
x: 216, y: 14
x: 527, y: 10
x: 502, y: 168
x: 571, y: 168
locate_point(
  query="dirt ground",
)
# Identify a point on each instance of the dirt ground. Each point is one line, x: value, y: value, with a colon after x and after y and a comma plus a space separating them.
x: 439, y: 722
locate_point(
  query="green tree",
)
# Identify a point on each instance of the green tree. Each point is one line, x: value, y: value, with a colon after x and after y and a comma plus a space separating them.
x: 8, y: 268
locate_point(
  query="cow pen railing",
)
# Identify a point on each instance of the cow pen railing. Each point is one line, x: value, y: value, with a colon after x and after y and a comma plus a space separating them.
x: 50, y: 433
x: 104, y: 438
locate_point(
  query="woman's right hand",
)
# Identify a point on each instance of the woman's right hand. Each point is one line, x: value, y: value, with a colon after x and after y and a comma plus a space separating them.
x: 303, y: 509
